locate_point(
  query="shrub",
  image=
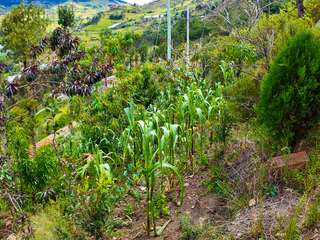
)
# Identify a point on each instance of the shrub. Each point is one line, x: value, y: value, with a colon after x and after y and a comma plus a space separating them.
x: 242, y: 96
x: 289, y: 96
x: 62, y: 120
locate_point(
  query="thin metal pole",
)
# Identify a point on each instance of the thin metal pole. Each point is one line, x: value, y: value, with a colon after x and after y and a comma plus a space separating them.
x: 169, y: 30
x: 187, y: 52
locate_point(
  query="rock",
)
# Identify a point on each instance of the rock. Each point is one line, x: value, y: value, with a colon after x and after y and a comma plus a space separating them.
x: 178, y: 203
x: 252, y: 202
x: 187, y: 184
x: 12, y: 237
x: 143, y: 188
x: 192, y: 206
x: 239, y: 234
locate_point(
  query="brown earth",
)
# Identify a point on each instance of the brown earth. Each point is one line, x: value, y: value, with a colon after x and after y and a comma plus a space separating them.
x: 222, y: 213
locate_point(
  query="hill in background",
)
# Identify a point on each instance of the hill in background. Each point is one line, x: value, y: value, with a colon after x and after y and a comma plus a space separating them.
x: 51, y: 3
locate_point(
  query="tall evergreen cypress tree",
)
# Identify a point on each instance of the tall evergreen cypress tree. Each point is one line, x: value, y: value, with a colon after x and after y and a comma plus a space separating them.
x: 289, y: 103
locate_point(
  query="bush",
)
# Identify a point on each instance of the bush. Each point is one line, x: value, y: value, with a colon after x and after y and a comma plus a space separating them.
x: 62, y: 120
x: 242, y: 96
x: 289, y: 96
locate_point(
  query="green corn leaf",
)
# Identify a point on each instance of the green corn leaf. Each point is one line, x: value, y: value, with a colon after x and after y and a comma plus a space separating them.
x: 163, y: 227
x: 167, y: 165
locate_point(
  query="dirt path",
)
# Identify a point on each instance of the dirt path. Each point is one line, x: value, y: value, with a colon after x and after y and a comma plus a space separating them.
x: 62, y: 131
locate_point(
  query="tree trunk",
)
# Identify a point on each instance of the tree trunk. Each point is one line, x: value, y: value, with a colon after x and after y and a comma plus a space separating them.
x: 25, y: 63
x: 71, y: 119
x: 5, y: 148
x: 300, y: 7
x: 33, y: 134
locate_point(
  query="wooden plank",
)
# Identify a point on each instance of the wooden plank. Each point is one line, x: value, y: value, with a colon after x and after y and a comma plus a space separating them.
x: 295, y: 161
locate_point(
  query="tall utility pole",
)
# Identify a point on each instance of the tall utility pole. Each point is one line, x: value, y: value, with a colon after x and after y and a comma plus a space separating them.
x: 187, y: 52
x: 168, y: 30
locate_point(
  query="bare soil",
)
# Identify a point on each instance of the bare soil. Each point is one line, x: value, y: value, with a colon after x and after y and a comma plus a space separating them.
x: 197, y: 206
x: 264, y: 216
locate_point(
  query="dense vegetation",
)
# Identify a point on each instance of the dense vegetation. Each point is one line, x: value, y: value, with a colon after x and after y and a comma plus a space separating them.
x: 145, y: 150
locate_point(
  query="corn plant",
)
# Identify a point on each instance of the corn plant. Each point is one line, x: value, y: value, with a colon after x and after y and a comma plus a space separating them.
x: 127, y: 133
x: 213, y: 110
x: 168, y: 143
x: 149, y: 152
x: 201, y: 121
x: 147, y: 135
x: 185, y: 137
x: 95, y: 165
x: 190, y: 102
x: 227, y: 71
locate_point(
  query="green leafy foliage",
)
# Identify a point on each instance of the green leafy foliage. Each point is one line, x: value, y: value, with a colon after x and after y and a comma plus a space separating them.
x: 151, y: 126
x: 187, y: 232
x: 65, y: 16
x: 21, y: 28
x: 91, y: 206
x: 198, y: 29
x: 160, y: 206
x: 289, y: 97
x: 272, y: 190
x: 217, y: 181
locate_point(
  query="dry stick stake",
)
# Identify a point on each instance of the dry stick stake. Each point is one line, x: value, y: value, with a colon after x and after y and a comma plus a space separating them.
x: 137, y: 233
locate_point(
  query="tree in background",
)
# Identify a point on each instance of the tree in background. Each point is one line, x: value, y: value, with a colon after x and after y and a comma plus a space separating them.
x: 66, y: 16
x: 105, y: 33
x: 143, y: 51
x: 131, y: 52
x: 18, y: 30
x: 289, y: 103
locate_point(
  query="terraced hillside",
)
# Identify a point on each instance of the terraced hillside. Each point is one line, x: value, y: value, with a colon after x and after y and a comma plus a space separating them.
x: 50, y: 3
x: 150, y: 17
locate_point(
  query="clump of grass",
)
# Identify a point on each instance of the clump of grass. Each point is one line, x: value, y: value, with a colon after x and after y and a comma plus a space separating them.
x: 313, y: 213
x: 257, y: 224
x: 48, y: 221
x: 291, y: 231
